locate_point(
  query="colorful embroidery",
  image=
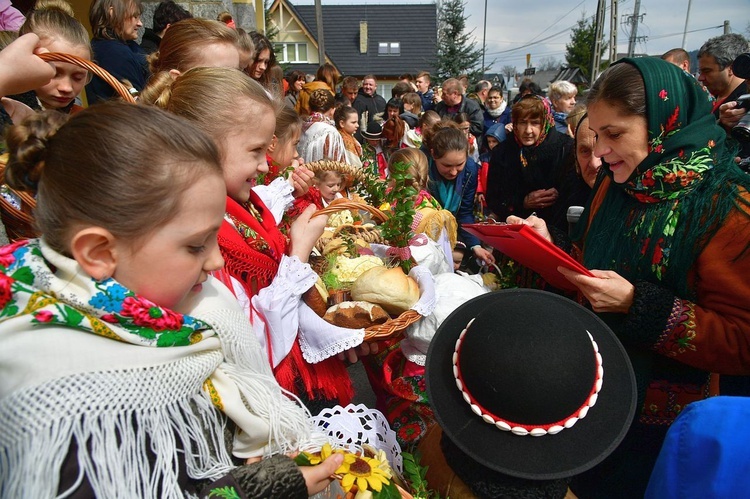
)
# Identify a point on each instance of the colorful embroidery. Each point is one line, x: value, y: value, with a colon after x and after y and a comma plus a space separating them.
x: 137, y: 319
x: 680, y: 332
x: 209, y: 387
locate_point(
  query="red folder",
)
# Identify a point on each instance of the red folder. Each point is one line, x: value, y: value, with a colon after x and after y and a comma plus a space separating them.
x: 524, y: 245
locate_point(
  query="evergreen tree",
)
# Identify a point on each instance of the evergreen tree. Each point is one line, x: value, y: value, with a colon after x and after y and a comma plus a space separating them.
x: 579, y: 53
x: 456, y: 52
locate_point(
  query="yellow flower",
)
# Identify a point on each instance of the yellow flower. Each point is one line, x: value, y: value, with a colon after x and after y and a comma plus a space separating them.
x: 385, y: 207
x: 327, y: 452
x: 366, y: 473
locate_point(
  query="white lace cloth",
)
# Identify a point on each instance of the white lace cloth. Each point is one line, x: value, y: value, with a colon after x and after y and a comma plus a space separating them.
x: 450, y: 291
x: 353, y: 426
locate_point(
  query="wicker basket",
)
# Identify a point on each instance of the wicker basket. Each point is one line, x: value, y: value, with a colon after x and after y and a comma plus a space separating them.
x: 395, y: 325
x: 18, y: 220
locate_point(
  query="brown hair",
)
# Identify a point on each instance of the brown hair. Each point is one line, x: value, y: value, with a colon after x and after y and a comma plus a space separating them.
x: 262, y: 43
x: 288, y: 123
x: 413, y: 99
x: 528, y: 107
x: 393, y: 132
x: 424, y: 74
x: 349, y: 83
x: 321, y: 100
x: 184, y: 41
x: 54, y: 20
x: 342, y: 114
x: 418, y: 165
x: 107, y: 17
x: 224, y: 17
x: 622, y: 86
x: 426, y: 123
x: 445, y: 137
x: 329, y: 74
x: 218, y: 100
x: 244, y: 42
x: 321, y: 175
x: 150, y: 158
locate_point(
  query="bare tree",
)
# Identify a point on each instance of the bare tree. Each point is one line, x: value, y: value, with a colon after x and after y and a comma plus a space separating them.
x: 509, y: 72
x: 548, y: 63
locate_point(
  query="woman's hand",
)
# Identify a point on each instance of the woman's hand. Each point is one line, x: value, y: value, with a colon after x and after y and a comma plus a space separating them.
x: 304, y: 233
x: 534, y: 222
x: 607, y: 292
x: 482, y: 254
x: 729, y: 116
x: 301, y: 178
x: 542, y: 198
x: 20, y: 69
x: 318, y: 477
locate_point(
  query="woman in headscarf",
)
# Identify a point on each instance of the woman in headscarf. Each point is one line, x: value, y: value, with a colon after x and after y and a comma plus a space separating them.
x: 666, y: 231
x: 526, y: 171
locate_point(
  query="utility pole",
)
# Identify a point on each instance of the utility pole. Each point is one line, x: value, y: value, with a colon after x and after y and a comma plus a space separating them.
x: 687, y: 17
x: 613, y: 26
x: 634, y: 20
x: 321, y: 39
x: 597, y: 59
x: 484, y: 37
x: 726, y: 28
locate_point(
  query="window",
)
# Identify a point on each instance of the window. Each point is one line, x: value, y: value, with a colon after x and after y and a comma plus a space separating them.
x: 291, y: 52
x: 389, y: 48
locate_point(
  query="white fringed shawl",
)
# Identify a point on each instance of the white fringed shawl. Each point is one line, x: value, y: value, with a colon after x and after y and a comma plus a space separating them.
x: 119, y: 398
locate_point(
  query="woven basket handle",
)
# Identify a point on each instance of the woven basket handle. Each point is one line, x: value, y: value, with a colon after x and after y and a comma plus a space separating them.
x: 352, y: 205
x: 90, y: 66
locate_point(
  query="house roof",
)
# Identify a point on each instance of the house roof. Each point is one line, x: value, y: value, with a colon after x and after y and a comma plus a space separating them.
x: 414, y: 26
x: 573, y: 75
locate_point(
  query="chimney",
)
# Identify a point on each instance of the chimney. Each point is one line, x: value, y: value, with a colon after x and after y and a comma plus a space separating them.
x: 363, y: 37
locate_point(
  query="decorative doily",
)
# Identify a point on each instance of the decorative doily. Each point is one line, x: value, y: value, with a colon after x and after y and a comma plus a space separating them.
x: 354, y: 425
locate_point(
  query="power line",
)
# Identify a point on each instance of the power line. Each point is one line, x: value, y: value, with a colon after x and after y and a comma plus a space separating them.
x: 690, y: 31
x: 529, y: 44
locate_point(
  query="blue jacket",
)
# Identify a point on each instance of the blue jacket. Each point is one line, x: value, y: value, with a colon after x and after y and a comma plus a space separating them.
x: 427, y: 104
x: 705, y: 453
x: 123, y: 60
x: 466, y: 186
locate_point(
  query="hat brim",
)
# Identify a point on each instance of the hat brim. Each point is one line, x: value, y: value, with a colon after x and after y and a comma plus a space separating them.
x: 372, y: 135
x: 570, y: 452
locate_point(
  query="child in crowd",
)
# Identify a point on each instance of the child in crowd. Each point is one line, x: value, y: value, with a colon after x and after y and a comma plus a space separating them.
x: 494, y: 136
x: 247, y: 50
x: 415, y: 137
x: 412, y: 104
x: 347, y: 123
x: 267, y: 272
x: 464, y: 124
x: 193, y: 43
x: 373, y: 156
x: 53, y: 22
x: 112, y: 323
x: 329, y: 183
x: 320, y: 140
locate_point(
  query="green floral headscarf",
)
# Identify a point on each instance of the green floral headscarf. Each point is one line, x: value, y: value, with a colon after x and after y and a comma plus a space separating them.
x: 655, y: 224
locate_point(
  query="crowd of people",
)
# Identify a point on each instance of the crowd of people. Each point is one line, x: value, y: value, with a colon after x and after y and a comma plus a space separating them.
x: 154, y: 340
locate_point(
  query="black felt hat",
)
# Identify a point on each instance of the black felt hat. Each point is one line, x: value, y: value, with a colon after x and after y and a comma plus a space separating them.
x: 528, y: 365
x: 374, y: 130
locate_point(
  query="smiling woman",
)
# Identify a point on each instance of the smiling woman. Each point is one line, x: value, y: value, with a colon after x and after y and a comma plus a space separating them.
x: 665, y: 234
x: 115, y: 25
x: 527, y: 170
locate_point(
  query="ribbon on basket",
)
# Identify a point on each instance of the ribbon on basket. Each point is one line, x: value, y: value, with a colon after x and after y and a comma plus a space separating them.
x: 405, y: 252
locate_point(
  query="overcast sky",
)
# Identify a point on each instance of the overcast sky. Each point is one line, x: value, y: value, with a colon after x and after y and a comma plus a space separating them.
x: 544, y: 26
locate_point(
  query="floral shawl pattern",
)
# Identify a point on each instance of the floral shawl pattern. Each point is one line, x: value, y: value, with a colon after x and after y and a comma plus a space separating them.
x: 27, y: 284
x: 671, y: 204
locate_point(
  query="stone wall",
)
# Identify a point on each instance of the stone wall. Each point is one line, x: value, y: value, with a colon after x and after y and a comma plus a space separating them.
x: 243, y: 13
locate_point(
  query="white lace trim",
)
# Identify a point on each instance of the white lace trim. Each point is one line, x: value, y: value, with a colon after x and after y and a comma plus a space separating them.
x: 277, y: 196
x: 296, y: 276
x: 353, y: 426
